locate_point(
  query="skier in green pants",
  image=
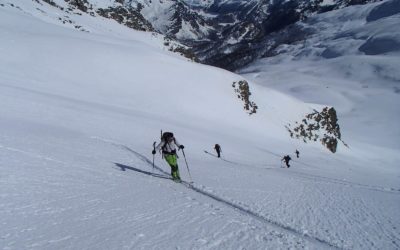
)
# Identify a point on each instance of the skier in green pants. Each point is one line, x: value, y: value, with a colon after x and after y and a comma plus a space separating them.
x: 167, y: 145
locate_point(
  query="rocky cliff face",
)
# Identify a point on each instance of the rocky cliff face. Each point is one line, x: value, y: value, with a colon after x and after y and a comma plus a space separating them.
x: 318, y: 126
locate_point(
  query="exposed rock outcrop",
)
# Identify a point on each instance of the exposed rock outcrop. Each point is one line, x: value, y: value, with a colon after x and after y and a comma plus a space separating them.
x: 321, y: 126
x: 242, y: 90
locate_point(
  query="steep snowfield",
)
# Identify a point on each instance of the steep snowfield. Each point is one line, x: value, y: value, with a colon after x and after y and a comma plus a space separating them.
x: 80, y: 111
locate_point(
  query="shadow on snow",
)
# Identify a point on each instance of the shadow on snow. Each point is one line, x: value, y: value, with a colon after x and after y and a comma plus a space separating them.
x: 125, y: 167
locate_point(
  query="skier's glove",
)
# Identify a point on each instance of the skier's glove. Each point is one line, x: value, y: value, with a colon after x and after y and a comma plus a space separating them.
x: 153, y: 152
x: 181, y: 147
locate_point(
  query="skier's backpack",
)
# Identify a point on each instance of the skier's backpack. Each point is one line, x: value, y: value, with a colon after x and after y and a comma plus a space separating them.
x: 166, y: 136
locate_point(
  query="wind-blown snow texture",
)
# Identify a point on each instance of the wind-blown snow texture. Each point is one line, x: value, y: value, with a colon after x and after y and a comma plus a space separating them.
x: 80, y: 111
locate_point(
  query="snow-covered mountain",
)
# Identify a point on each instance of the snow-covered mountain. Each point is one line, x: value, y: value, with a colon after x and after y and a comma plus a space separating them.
x: 249, y: 23
x: 228, y: 34
x: 232, y: 33
x: 83, y: 97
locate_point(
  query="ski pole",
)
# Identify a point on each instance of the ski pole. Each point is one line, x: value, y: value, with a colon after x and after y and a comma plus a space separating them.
x: 184, y: 156
x: 154, y: 148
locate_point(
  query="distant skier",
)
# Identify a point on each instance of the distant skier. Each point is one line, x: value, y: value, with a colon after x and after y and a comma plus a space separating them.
x: 217, y: 148
x: 167, y: 146
x: 286, y: 158
x: 297, y: 153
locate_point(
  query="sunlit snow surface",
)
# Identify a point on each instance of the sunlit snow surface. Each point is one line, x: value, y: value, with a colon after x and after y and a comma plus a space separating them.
x: 80, y: 111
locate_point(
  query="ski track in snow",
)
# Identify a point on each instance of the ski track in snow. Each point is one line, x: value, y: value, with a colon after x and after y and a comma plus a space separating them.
x: 38, y: 156
x: 266, y: 219
x: 279, y: 226
x: 259, y: 166
x: 319, y: 178
x: 323, y: 179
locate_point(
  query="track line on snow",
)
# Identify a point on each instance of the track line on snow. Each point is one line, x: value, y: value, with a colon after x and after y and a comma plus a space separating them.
x: 338, y: 181
x: 33, y: 155
x: 260, y: 166
x: 321, y: 178
x: 262, y: 218
x: 345, y: 183
x: 246, y: 211
x: 259, y: 217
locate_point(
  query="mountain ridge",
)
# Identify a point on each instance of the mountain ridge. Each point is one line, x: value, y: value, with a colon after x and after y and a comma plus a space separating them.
x: 228, y: 34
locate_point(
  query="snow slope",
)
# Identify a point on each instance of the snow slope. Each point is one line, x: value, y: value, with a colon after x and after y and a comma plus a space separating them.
x: 80, y: 111
x: 352, y: 64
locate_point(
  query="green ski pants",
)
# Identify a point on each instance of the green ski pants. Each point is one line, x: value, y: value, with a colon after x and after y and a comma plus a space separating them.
x: 173, y: 163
